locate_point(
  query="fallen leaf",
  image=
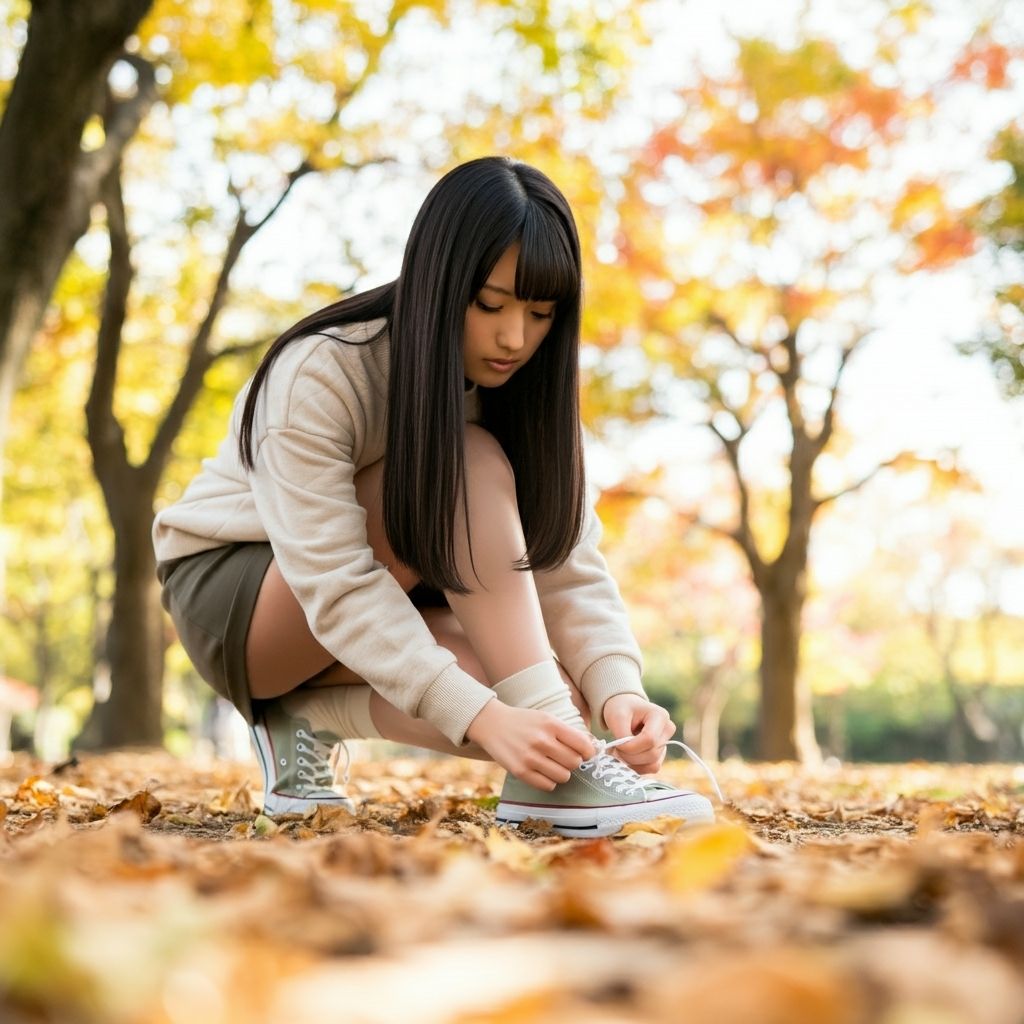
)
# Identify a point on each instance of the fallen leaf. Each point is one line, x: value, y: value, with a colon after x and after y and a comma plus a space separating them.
x: 510, y: 851
x: 142, y: 803
x: 645, y: 840
x: 865, y: 892
x: 330, y: 819
x: 662, y: 825
x: 264, y: 826
x: 702, y: 856
x: 36, y: 791
x: 233, y: 801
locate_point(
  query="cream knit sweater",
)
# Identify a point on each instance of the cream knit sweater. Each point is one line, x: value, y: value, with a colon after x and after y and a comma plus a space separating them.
x: 320, y: 419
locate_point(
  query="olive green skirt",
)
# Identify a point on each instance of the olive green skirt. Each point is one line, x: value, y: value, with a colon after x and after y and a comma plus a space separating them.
x: 211, y: 596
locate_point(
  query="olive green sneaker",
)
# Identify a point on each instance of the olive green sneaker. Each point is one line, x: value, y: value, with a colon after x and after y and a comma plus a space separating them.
x: 601, y: 796
x: 296, y: 762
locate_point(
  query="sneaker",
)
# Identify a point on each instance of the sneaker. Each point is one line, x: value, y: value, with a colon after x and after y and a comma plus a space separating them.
x: 296, y: 762
x: 601, y: 796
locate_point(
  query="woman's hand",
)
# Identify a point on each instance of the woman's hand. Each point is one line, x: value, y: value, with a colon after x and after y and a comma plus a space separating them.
x: 535, y: 747
x: 627, y: 714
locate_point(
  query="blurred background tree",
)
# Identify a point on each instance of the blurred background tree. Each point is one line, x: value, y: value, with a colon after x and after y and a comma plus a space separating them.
x: 744, y: 231
x: 759, y: 227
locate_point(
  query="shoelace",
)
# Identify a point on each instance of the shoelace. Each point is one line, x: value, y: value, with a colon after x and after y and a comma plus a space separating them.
x: 321, y: 771
x: 623, y: 778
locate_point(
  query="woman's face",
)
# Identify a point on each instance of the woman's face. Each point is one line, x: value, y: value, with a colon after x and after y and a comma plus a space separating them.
x: 502, y: 332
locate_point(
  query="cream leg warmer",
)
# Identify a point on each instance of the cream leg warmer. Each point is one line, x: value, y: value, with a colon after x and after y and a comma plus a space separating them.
x: 542, y: 688
x: 343, y: 710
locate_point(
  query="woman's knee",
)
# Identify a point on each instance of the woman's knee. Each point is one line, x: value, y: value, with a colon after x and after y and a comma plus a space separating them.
x: 449, y: 633
x: 485, y: 458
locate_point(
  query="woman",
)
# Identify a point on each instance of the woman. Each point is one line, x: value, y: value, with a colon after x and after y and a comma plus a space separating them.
x: 394, y: 540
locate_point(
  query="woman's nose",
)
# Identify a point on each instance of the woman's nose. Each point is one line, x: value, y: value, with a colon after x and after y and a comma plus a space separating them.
x: 512, y: 334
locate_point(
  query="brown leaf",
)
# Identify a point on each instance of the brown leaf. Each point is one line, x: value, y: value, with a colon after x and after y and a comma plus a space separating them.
x: 331, y: 819
x: 141, y: 803
x: 36, y: 791
x: 233, y: 801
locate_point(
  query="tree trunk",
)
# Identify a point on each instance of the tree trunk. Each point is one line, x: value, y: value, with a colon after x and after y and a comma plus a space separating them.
x: 132, y: 715
x: 780, y: 642
x: 59, y: 86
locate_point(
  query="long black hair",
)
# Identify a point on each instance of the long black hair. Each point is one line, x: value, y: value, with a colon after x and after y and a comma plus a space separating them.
x: 468, y: 220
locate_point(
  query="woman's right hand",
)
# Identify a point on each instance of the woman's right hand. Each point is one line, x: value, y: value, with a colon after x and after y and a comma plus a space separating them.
x: 535, y: 747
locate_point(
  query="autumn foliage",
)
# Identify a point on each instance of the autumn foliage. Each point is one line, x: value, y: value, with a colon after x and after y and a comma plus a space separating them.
x: 139, y: 889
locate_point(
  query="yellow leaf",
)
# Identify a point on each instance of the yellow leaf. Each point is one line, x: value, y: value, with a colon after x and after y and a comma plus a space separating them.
x: 510, y: 851
x: 703, y: 856
x: 662, y: 825
x: 645, y: 840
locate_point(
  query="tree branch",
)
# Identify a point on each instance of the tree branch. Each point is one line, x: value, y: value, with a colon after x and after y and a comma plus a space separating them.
x: 789, y: 378
x: 200, y: 358
x: 121, y: 121
x: 743, y: 534
x: 822, y: 438
x: 237, y: 350
x: 719, y: 322
x: 105, y: 433
x: 856, y: 485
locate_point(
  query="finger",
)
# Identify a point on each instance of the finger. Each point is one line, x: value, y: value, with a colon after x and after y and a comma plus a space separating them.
x: 553, y: 770
x: 577, y: 740
x: 648, y: 765
x: 538, y: 781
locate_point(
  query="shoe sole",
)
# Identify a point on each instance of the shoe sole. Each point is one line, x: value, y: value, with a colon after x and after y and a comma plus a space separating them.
x: 279, y: 803
x: 586, y: 822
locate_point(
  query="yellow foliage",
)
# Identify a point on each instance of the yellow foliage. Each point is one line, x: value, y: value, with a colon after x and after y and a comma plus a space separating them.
x: 703, y: 856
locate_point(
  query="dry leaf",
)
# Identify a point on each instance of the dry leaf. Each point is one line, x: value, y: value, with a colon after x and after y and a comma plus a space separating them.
x: 663, y: 825
x: 702, y: 856
x: 264, y: 826
x: 36, y: 791
x: 330, y: 819
x: 233, y: 801
x: 142, y: 803
x: 506, y: 849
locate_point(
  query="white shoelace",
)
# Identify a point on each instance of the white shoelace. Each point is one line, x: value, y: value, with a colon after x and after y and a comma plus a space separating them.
x: 321, y: 772
x: 623, y: 778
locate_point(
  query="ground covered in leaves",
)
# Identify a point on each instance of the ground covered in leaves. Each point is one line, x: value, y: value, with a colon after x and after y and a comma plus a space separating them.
x: 138, y: 888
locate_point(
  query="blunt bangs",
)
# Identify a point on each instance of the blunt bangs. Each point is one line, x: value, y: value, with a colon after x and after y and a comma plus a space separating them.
x: 548, y: 269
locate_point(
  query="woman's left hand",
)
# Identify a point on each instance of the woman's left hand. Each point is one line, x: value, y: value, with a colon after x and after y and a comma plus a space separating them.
x: 627, y: 714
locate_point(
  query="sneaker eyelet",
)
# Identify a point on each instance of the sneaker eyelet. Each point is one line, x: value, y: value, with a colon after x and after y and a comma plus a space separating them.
x: 283, y: 761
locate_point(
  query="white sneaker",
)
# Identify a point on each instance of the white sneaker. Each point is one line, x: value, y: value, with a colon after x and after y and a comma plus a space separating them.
x: 295, y: 761
x: 602, y: 795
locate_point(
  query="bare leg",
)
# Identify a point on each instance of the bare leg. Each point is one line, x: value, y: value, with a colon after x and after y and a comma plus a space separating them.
x: 282, y: 653
x: 502, y: 617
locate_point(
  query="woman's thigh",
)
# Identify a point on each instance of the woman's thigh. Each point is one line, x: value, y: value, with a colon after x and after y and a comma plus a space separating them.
x: 280, y: 650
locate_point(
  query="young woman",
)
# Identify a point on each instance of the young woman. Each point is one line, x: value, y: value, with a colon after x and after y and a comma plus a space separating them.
x: 395, y: 540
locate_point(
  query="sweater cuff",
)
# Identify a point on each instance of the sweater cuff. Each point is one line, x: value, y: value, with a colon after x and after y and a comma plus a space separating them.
x: 452, y: 701
x: 608, y: 677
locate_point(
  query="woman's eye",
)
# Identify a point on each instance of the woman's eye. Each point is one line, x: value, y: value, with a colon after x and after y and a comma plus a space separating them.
x: 543, y: 316
x: 487, y: 309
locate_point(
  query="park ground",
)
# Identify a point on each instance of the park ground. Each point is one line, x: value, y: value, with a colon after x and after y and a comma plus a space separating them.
x: 135, y: 887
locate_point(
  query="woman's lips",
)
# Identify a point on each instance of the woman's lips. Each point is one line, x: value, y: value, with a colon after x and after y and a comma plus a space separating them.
x: 501, y: 367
